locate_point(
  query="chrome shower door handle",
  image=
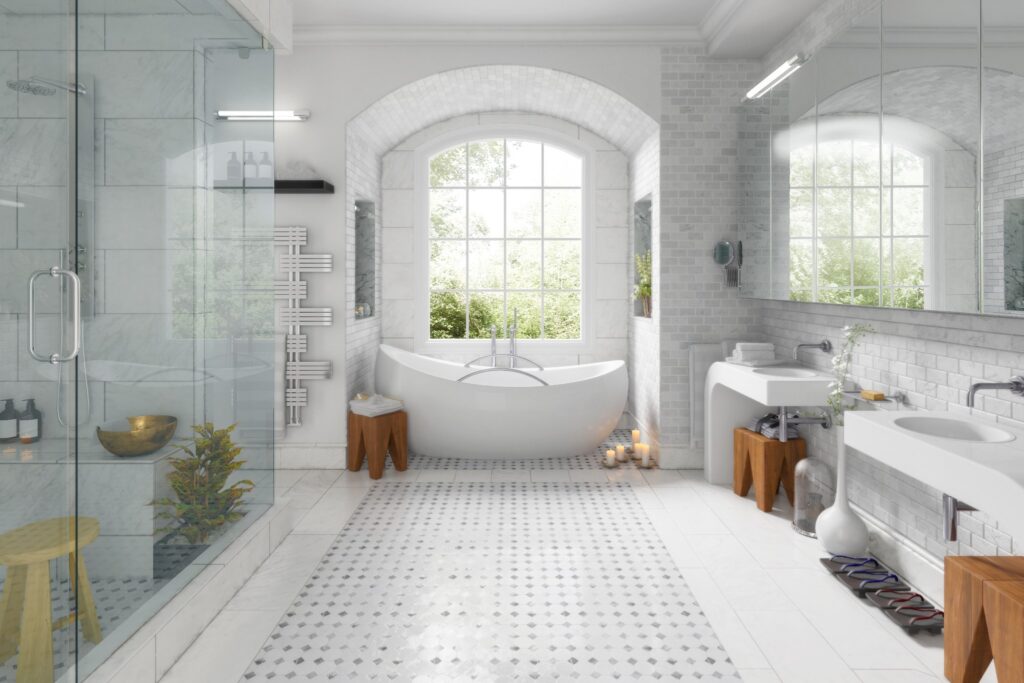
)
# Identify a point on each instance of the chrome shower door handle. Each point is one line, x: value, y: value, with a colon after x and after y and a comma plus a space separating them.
x: 76, y: 315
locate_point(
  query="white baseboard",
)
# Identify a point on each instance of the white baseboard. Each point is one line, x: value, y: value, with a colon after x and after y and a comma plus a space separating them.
x: 921, y: 570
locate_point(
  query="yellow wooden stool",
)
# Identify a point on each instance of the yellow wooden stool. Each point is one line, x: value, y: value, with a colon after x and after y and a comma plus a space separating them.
x: 26, y: 615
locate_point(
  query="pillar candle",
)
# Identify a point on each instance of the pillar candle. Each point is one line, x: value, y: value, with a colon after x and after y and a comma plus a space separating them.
x: 636, y: 437
x: 645, y: 454
x: 609, y: 457
x: 620, y: 453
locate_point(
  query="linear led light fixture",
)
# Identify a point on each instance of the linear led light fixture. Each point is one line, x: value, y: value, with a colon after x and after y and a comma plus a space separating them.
x: 263, y: 115
x: 784, y: 71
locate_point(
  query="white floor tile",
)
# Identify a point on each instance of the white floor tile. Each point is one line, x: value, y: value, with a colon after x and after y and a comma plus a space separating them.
x: 549, y: 475
x: 223, y: 651
x: 795, y: 649
x: 895, y: 676
x: 510, y: 475
x: 759, y: 676
x: 274, y: 585
x: 664, y: 478
x: 331, y: 512
x: 735, y: 638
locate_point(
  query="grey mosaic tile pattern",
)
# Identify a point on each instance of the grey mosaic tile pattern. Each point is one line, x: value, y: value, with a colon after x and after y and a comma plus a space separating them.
x: 115, y: 599
x: 590, y: 461
x: 495, y: 582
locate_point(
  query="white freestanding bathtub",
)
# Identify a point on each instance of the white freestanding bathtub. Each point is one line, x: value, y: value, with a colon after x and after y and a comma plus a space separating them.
x: 497, y: 415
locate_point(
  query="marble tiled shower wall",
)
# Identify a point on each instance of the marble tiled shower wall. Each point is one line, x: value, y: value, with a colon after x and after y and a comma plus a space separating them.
x: 933, y: 358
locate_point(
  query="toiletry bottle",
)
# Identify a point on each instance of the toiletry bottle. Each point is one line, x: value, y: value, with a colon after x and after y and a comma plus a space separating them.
x: 251, y: 170
x: 234, y: 167
x: 8, y: 422
x: 30, y: 423
x: 266, y: 167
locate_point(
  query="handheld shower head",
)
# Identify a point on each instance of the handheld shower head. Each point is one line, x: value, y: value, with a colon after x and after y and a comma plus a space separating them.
x: 44, y: 86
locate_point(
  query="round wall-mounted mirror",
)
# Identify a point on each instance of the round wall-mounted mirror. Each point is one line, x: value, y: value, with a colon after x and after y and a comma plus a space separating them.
x: 724, y: 253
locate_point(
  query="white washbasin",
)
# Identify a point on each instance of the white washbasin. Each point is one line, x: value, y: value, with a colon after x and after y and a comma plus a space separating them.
x: 786, y: 372
x: 969, y: 458
x: 952, y: 428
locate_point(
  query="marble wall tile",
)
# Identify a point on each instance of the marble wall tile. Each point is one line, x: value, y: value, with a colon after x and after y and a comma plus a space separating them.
x: 611, y: 246
x: 611, y: 317
x: 140, y: 84
x: 960, y: 168
x: 8, y: 217
x: 34, y: 151
x: 8, y: 72
x: 144, y: 217
x: 47, y: 32
x: 148, y: 152
x: 119, y: 495
x: 398, y: 209
x: 399, y: 170
x: 960, y: 203
x: 52, y: 65
x: 610, y: 281
x: 137, y: 281
x: 400, y: 278
x: 398, y: 245
x: 18, y: 266
x: 8, y: 342
x: 612, y: 208
x: 398, y: 318
x: 163, y: 31
x: 152, y: 398
x: 43, y: 220
x: 612, y: 171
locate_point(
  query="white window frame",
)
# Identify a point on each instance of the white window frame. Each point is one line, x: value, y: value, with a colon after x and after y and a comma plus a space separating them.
x: 421, y: 247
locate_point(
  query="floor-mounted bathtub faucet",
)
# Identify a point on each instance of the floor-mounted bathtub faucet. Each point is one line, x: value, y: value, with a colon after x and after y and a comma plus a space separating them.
x: 512, y: 355
x: 494, y: 346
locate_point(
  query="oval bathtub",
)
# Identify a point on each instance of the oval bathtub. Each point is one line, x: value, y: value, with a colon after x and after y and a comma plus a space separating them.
x: 499, y: 415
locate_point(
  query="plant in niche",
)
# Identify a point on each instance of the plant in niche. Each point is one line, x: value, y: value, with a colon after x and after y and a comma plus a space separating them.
x: 642, y: 288
x: 204, y: 500
x: 852, y: 334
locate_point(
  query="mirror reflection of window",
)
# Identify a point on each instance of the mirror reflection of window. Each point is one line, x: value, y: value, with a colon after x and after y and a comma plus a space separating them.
x: 856, y: 238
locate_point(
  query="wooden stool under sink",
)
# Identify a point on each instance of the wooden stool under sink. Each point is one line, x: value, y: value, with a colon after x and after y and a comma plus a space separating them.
x: 984, y: 617
x: 374, y: 437
x: 764, y: 463
x: 26, y: 613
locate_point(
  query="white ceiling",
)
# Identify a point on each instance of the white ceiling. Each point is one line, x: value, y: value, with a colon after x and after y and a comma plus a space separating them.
x: 733, y: 28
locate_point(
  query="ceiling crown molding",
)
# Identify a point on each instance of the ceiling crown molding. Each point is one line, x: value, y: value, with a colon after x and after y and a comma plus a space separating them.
x: 440, y: 35
x: 718, y: 22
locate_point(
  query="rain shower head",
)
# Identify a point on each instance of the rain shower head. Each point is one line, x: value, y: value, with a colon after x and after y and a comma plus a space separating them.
x: 44, y: 86
x: 30, y: 88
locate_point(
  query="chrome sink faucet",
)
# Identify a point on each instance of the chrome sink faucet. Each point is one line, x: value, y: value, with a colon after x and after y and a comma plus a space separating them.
x: 1015, y: 385
x: 825, y: 346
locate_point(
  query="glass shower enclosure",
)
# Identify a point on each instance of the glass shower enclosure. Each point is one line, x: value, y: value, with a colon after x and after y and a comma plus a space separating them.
x: 136, y: 315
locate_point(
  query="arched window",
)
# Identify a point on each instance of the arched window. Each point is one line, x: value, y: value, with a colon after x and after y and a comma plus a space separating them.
x: 505, y: 235
x: 855, y: 237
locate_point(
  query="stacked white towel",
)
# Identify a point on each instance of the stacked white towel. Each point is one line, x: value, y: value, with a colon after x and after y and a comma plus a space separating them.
x: 754, y: 351
x: 375, y: 405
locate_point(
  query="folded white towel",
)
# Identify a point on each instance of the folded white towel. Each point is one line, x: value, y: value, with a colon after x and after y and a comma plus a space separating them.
x: 755, y: 346
x: 754, y: 355
x: 375, y: 405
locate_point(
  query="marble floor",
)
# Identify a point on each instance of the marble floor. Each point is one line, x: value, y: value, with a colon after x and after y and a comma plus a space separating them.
x: 772, y: 608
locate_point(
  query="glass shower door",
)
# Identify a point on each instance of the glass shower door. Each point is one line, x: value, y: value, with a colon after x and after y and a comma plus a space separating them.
x: 39, y: 341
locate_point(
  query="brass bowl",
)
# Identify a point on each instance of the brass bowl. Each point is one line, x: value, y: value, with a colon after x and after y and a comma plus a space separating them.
x: 137, y: 435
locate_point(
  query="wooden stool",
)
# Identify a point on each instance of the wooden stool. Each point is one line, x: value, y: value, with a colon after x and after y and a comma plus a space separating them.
x: 26, y: 614
x: 764, y: 463
x: 374, y: 437
x: 984, y: 613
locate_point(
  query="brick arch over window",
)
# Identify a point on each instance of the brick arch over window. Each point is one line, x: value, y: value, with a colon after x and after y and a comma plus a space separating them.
x: 477, y: 89
x: 450, y: 94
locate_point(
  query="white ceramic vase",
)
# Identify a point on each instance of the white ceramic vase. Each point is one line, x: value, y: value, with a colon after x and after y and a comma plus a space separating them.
x: 839, y: 529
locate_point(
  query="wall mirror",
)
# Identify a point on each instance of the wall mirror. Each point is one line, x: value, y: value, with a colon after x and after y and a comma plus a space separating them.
x: 887, y: 171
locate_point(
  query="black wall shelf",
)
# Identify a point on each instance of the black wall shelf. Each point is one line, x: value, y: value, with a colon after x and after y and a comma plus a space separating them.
x: 303, y: 187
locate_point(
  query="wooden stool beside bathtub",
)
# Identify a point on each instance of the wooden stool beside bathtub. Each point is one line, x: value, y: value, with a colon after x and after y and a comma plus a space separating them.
x: 26, y: 612
x: 764, y: 463
x: 984, y: 617
x: 373, y: 438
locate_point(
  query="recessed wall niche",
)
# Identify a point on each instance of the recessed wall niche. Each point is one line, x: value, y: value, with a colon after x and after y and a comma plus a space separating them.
x: 366, y: 259
x: 642, y: 266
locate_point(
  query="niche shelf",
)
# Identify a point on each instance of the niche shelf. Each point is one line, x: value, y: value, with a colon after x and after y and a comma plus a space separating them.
x: 303, y: 187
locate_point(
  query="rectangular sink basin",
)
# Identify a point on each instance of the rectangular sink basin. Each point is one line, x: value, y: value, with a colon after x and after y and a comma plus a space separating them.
x: 976, y: 461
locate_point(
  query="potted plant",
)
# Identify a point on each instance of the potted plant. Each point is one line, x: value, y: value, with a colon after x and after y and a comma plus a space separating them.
x: 642, y: 289
x: 205, y: 502
x: 839, y: 529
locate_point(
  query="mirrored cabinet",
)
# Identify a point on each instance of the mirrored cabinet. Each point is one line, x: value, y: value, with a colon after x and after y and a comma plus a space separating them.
x: 889, y: 169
